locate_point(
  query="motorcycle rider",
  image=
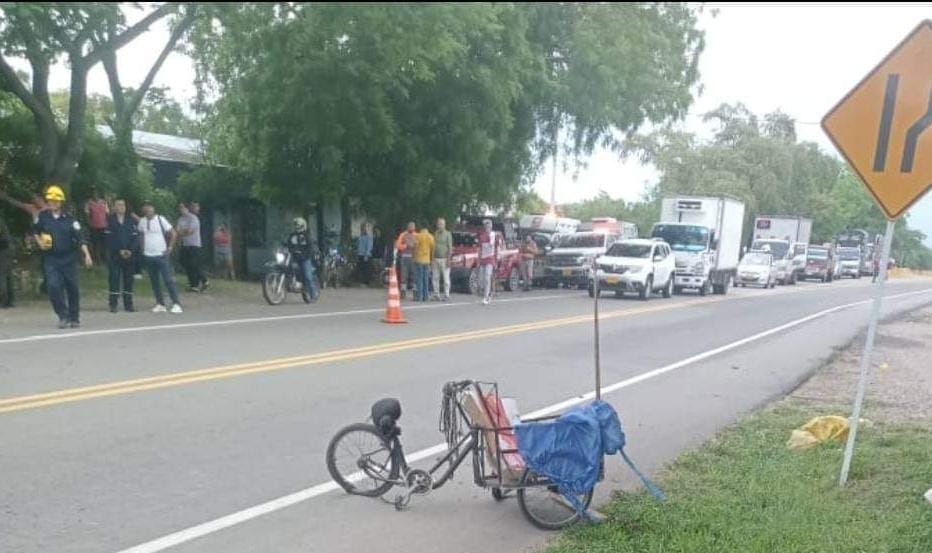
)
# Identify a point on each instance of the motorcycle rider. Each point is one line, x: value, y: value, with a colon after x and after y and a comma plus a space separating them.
x: 302, y: 252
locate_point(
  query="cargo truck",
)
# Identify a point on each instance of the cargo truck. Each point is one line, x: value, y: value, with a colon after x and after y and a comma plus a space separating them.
x: 795, y: 230
x: 705, y: 236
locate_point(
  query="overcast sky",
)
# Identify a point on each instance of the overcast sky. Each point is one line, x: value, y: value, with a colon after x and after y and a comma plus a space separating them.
x: 800, y: 59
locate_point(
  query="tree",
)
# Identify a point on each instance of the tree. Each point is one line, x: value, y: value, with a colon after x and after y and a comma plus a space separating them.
x: 420, y: 110
x: 83, y: 34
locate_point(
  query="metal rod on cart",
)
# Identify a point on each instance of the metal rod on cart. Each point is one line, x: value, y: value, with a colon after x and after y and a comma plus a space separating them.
x: 595, y: 318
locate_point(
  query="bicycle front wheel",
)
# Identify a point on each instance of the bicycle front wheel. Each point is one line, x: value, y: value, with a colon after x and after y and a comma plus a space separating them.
x: 360, y: 460
x: 544, y: 506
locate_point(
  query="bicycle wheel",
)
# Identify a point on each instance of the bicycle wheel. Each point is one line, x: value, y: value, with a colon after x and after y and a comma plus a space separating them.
x: 360, y: 461
x: 544, y: 506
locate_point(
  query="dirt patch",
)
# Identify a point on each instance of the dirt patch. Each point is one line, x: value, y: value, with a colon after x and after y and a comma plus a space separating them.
x: 901, y: 387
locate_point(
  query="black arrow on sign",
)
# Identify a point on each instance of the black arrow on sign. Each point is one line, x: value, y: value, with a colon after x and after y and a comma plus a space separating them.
x: 912, y: 138
x: 886, y: 123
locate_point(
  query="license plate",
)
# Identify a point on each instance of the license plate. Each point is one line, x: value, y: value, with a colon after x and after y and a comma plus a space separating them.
x: 612, y: 280
x: 567, y: 272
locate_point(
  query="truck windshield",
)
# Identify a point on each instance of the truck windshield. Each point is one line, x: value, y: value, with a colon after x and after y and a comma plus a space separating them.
x: 817, y: 254
x: 583, y: 241
x: 776, y: 247
x: 849, y: 255
x: 630, y: 250
x: 683, y: 238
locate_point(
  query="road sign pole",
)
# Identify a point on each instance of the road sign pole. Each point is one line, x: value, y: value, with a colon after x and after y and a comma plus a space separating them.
x: 866, y: 356
x: 595, y: 318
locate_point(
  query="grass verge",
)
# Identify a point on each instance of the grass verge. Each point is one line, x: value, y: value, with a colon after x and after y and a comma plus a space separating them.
x: 744, y: 492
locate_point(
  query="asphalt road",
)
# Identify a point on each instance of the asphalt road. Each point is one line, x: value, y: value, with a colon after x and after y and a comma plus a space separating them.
x: 206, y: 433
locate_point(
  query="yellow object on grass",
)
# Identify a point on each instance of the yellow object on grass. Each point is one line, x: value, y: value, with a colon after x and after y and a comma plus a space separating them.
x: 817, y: 431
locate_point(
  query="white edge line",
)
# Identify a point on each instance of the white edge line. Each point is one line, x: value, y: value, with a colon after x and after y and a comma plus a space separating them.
x: 194, y: 532
x: 127, y: 330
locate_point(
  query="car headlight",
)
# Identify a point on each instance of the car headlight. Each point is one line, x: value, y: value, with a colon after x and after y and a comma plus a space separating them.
x: 699, y: 267
x: 279, y: 257
x: 635, y: 270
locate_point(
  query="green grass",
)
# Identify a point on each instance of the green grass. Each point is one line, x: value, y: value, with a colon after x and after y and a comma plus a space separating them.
x: 744, y: 492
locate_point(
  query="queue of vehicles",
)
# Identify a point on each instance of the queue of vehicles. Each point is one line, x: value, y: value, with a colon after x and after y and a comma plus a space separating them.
x: 697, y: 244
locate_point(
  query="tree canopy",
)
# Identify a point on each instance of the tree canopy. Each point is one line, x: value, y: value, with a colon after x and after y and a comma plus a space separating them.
x: 425, y: 109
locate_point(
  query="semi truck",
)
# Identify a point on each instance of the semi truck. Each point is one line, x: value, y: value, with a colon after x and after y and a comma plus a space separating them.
x: 705, y: 236
x: 858, y: 239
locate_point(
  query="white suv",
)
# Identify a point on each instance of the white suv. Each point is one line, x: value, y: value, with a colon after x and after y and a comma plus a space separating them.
x: 642, y: 266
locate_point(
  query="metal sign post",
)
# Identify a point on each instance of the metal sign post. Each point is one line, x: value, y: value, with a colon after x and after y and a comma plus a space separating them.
x: 866, y: 356
x: 877, y: 127
x: 595, y: 319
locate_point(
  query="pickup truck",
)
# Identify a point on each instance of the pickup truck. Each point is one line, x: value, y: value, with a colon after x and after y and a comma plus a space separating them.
x: 464, y: 265
x: 571, y: 260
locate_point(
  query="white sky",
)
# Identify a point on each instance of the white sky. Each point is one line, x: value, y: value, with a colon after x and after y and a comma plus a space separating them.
x: 794, y: 57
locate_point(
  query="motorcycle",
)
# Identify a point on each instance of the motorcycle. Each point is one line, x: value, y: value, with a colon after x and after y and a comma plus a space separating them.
x: 282, y: 277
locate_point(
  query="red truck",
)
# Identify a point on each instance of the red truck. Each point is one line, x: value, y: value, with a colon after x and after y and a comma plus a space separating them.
x: 464, y: 267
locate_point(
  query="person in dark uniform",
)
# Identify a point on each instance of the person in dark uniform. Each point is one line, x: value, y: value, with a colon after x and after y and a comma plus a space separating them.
x: 60, y: 237
x: 6, y: 266
x: 122, y: 239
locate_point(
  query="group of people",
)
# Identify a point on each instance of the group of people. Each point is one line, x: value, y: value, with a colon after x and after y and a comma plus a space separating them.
x: 426, y: 258
x: 126, y: 242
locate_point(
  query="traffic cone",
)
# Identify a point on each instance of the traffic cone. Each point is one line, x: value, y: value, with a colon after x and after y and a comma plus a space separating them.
x: 393, y: 310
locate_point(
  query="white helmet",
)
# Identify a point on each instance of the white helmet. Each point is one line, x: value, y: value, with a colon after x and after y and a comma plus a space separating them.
x: 300, y: 224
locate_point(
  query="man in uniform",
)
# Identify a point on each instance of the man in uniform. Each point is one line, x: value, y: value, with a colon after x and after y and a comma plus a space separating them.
x: 122, y: 238
x: 6, y: 266
x: 60, y: 237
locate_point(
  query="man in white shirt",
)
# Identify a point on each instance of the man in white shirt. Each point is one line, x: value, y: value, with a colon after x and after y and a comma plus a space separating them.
x: 156, y: 253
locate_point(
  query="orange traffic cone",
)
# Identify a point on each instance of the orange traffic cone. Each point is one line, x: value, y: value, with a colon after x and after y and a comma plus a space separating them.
x: 393, y: 310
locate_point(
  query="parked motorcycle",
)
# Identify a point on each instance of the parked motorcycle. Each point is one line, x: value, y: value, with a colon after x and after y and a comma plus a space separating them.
x: 283, y: 277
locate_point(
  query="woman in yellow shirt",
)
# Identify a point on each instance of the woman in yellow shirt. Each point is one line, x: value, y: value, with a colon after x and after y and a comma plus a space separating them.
x: 423, y: 251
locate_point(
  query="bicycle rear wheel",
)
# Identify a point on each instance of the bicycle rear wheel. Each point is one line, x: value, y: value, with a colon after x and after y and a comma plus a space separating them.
x: 360, y: 460
x: 544, y: 506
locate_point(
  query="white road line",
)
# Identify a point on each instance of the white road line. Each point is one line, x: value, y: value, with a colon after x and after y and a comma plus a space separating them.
x: 227, y: 322
x: 194, y: 532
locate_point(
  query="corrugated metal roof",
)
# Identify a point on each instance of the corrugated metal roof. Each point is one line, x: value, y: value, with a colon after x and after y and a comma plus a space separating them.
x: 163, y: 147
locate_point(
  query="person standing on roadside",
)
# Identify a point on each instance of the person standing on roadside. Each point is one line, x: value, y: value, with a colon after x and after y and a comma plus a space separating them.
x: 33, y: 209
x: 364, y: 246
x: 157, y: 240
x: 189, y: 227
x: 6, y: 266
x: 405, y: 246
x: 60, y: 237
x: 122, y: 250
x: 423, y: 250
x: 223, y: 248
x: 440, y: 267
x: 97, y: 210
x: 488, y: 259
x: 529, y: 251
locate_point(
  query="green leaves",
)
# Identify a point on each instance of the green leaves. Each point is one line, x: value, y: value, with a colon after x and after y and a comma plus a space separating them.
x: 427, y: 109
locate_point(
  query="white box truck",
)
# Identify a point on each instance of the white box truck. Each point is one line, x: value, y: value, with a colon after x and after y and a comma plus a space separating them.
x: 705, y: 235
x: 792, y: 229
x: 795, y: 230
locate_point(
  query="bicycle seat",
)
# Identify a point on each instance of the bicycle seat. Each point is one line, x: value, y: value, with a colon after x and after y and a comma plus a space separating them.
x: 385, y: 415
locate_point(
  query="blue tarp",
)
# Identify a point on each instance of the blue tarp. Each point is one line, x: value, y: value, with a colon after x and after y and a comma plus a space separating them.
x: 569, y: 450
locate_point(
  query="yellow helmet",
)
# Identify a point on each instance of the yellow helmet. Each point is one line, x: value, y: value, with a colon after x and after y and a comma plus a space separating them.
x: 55, y: 193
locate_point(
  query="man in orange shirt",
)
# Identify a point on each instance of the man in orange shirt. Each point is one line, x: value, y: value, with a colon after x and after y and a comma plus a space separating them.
x: 405, y: 244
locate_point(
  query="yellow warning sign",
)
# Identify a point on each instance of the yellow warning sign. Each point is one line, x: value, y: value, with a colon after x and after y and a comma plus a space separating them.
x: 883, y: 126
